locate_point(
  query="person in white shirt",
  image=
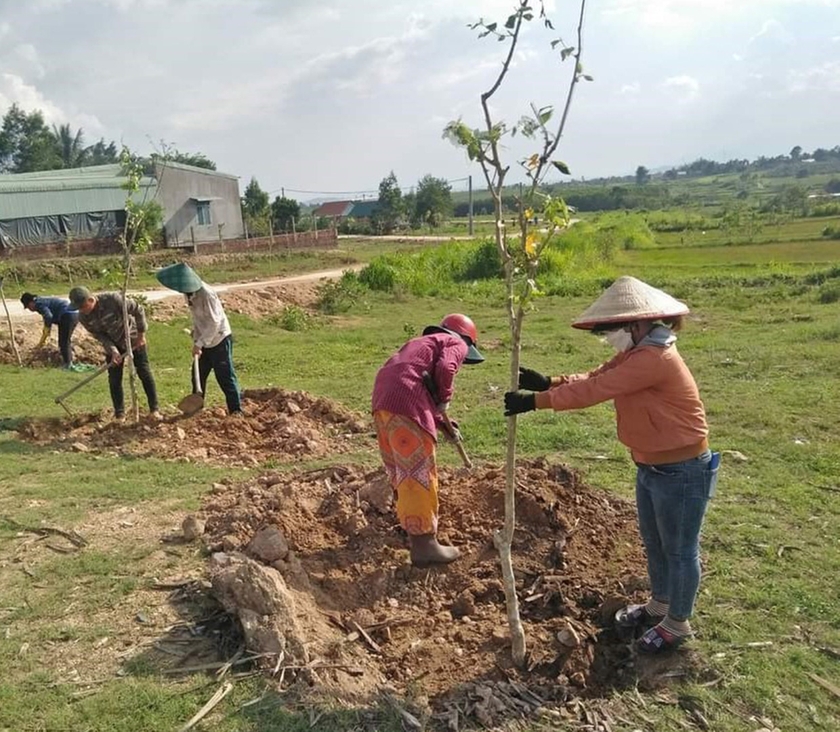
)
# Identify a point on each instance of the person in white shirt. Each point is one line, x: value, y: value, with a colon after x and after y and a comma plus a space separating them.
x: 211, y: 334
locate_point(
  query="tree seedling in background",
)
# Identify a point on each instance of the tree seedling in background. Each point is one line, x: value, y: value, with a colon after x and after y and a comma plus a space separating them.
x: 520, y: 254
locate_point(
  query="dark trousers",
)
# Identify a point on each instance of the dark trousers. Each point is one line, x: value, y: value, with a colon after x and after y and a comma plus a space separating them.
x: 66, y: 325
x: 219, y: 360
x: 144, y: 372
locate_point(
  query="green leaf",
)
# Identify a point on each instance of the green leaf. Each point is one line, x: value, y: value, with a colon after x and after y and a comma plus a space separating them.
x: 491, y: 27
x: 510, y: 22
x: 561, y: 166
x: 588, y: 77
x: 566, y: 52
x: 545, y: 114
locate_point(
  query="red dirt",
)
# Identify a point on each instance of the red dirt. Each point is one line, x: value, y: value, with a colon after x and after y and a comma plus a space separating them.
x: 278, y: 424
x: 85, y: 348
x: 577, y: 558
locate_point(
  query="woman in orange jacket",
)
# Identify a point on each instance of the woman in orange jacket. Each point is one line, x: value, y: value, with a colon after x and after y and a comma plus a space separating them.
x: 661, y: 419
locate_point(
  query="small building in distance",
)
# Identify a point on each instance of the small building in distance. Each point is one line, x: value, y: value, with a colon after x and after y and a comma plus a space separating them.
x: 84, y: 208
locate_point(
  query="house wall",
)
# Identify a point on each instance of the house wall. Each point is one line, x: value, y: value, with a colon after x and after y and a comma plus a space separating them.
x: 178, y: 187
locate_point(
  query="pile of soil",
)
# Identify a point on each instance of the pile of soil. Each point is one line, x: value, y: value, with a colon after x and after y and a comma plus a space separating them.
x: 278, y: 424
x: 332, y: 536
x: 254, y: 303
x: 86, y: 348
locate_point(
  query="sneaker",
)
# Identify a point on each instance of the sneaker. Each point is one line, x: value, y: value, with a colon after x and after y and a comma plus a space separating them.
x: 238, y: 414
x: 657, y: 640
x: 635, y: 616
x: 155, y: 415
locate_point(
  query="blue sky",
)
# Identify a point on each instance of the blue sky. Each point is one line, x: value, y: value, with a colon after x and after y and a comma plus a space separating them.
x: 331, y: 96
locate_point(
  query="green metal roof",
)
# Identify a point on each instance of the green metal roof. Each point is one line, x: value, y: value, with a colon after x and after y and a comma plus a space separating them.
x: 77, y: 190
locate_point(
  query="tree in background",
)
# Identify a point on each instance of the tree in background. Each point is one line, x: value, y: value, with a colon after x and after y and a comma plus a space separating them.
x: 284, y: 211
x: 391, y: 208
x: 432, y: 201
x: 642, y: 175
x: 520, y: 255
x: 101, y: 154
x: 71, y: 147
x: 255, y: 209
x: 197, y: 160
x: 26, y: 143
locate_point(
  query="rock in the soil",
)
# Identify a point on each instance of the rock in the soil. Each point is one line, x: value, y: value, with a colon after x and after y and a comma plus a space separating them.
x: 80, y: 447
x: 182, y: 435
x: 378, y: 494
x: 258, y: 596
x: 192, y: 528
x: 292, y: 407
x: 269, y: 544
x: 569, y: 637
x: 464, y: 605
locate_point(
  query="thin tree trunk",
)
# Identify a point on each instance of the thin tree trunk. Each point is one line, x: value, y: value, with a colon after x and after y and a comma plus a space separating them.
x: 11, y: 329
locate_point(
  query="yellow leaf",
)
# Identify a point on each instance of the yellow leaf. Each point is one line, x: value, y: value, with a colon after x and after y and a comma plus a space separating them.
x: 529, y: 214
x: 531, y: 245
x: 533, y: 161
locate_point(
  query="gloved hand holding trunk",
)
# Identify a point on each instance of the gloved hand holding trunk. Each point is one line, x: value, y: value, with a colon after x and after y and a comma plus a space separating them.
x: 519, y: 402
x: 533, y: 380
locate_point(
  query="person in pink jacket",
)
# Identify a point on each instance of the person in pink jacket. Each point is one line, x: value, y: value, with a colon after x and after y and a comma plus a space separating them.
x: 661, y: 419
x: 407, y: 416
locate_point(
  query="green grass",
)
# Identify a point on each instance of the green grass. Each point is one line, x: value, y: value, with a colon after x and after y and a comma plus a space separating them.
x: 764, y: 352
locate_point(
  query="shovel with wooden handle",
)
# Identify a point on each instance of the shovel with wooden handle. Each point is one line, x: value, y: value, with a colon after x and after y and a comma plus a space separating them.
x: 448, y: 427
x: 84, y: 382
x: 193, y: 403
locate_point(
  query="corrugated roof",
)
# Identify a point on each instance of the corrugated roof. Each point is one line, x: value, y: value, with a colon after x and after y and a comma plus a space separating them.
x: 364, y: 209
x: 333, y: 208
x: 76, y: 190
x: 194, y: 169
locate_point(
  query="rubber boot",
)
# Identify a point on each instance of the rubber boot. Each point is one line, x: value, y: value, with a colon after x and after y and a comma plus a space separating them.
x: 426, y: 551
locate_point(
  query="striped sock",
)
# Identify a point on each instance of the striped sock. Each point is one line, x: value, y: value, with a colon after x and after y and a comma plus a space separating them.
x: 677, y: 628
x: 656, y: 608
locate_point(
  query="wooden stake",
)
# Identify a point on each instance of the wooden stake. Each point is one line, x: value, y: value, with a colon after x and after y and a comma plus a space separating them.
x: 9, y: 321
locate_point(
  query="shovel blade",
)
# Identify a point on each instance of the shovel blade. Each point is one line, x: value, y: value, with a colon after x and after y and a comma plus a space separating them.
x: 191, y: 404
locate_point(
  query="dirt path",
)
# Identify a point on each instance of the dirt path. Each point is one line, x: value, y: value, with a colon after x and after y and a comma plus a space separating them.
x: 18, y: 313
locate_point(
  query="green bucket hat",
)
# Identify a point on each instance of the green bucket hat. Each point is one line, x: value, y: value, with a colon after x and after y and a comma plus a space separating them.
x: 179, y: 277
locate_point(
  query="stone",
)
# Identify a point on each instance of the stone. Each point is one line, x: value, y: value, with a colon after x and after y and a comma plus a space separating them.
x: 569, y: 637
x: 293, y: 407
x: 80, y: 447
x: 182, y: 435
x: 192, y: 527
x: 464, y: 605
x: 378, y: 494
x: 269, y: 544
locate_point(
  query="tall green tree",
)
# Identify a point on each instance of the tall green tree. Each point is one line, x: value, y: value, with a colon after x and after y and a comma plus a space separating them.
x: 101, y: 154
x: 283, y: 212
x: 71, y: 146
x: 26, y: 143
x: 642, y: 175
x: 197, y: 160
x: 255, y: 209
x: 432, y: 201
x: 390, y: 210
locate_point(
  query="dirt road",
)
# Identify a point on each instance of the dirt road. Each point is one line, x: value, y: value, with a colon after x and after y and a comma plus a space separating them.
x: 17, y: 311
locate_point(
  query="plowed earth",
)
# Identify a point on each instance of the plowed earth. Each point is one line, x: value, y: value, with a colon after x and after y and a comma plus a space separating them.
x: 577, y: 558
x: 278, y: 425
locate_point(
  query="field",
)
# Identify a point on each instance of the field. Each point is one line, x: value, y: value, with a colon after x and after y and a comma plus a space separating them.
x: 90, y: 632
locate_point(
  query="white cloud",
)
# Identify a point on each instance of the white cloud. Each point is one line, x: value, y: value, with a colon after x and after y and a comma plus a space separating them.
x: 823, y: 78
x: 687, y: 87
x: 633, y: 88
x: 771, y: 28
x: 14, y: 90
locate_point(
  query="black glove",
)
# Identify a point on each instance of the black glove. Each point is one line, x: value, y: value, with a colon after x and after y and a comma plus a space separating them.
x: 517, y: 402
x: 533, y: 380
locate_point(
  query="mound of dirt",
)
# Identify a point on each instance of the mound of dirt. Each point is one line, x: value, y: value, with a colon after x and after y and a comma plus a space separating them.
x: 259, y: 302
x: 86, y: 348
x: 278, y: 424
x: 332, y: 536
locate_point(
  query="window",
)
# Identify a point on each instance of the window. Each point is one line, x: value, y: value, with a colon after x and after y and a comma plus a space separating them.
x: 203, y: 213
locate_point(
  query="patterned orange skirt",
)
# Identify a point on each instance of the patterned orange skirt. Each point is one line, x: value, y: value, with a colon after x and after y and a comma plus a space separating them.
x: 408, y: 452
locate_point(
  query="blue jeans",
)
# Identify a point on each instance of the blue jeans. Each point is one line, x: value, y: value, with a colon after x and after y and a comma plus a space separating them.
x: 219, y: 360
x: 671, y: 502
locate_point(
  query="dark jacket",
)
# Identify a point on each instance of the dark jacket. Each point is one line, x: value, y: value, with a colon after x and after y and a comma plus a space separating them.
x: 105, y: 322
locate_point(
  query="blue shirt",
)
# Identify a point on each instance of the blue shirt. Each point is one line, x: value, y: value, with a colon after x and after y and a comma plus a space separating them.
x: 52, y: 308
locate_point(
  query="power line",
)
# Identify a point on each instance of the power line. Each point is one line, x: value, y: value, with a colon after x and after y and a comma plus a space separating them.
x: 347, y: 193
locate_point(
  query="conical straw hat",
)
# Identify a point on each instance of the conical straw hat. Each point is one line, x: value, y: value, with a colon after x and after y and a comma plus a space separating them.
x: 628, y: 299
x: 179, y: 277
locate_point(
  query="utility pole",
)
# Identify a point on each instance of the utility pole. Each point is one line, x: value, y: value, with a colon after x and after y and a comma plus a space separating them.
x: 470, y: 229
x: 282, y: 192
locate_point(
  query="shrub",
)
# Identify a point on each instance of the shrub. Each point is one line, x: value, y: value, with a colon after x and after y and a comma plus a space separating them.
x: 483, y: 262
x: 338, y: 296
x: 829, y: 232
x: 828, y: 294
x: 294, y: 318
x: 379, y: 275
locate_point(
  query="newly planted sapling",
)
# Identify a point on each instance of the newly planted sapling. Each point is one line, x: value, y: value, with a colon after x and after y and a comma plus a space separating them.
x: 520, y: 253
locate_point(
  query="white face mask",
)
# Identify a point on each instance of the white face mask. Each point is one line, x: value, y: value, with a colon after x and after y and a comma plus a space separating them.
x: 621, y: 340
